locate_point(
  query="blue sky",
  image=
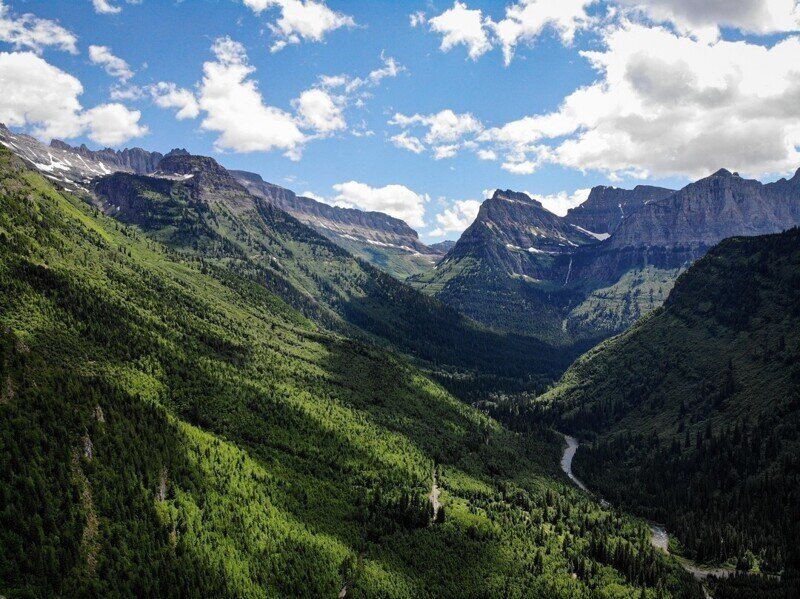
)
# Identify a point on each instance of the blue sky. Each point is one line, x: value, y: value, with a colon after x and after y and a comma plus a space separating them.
x: 669, y: 94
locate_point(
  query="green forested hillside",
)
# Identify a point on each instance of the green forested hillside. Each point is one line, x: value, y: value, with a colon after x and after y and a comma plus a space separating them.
x: 170, y: 428
x: 212, y: 218
x: 695, y: 411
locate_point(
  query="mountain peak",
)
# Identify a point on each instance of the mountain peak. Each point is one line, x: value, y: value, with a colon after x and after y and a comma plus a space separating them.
x: 723, y: 172
x: 514, y: 196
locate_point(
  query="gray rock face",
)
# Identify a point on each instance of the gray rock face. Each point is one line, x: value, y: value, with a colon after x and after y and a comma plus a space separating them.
x: 443, y: 246
x: 376, y: 228
x: 705, y: 212
x: 606, y: 207
x: 134, y: 160
x: 75, y: 167
x: 514, y: 234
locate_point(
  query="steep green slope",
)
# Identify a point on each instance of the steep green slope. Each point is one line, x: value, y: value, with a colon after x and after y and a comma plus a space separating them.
x: 171, y: 429
x: 204, y: 212
x: 695, y: 411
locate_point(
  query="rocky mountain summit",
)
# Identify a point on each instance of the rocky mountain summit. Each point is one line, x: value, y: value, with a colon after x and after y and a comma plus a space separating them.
x: 136, y: 160
x: 711, y: 209
x: 606, y: 207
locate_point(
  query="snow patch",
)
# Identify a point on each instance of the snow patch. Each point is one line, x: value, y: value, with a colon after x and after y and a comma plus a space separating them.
x: 598, y: 236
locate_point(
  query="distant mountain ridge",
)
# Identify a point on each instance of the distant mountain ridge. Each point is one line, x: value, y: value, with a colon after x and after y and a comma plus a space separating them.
x: 384, y: 241
x: 381, y: 239
x: 593, y: 272
x: 606, y: 207
x: 711, y: 209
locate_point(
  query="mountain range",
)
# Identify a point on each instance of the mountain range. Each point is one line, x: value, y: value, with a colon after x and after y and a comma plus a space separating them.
x: 386, y: 242
x: 611, y: 260
x: 236, y: 322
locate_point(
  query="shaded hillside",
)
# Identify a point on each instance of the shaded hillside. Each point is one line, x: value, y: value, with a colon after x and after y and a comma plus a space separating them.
x: 695, y: 411
x: 170, y: 428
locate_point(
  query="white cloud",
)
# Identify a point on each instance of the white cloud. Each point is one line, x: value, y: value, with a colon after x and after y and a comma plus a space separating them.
x: 126, y: 92
x: 44, y: 99
x: 445, y: 133
x: 524, y: 22
x: 395, y: 200
x: 113, y: 124
x: 300, y: 20
x: 670, y: 105
x: 390, y: 69
x: 704, y: 19
x: 487, y: 154
x: 314, y: 196
x: 527, y: 19
x: 318, y: 110
x: 104, y: 7
x: 169, y: 95
x: 113, y: 65
x: 408, y: 142
x: 29, y: 31
x: 460, y: 25
x: 457, y: 217
x: 234, y: 107
x: 562, y: 201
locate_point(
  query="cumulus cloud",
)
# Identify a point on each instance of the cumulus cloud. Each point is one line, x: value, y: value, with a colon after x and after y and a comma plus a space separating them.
x: 559, y: 203
x: 320, y: 111
x: 234, y: 107
x: 445, y: 132
x: 113, y: 65
x: 704, y: 19
x: 524, y: 22
x: 668, y: 104
x: 169, y: 95
x: 44, y: 99
x: 300, y: 20
x: 461, y: 25
x: 395, y: 200
x: 29, y: 31
x: 456, y: 217
x: 113, y: 124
